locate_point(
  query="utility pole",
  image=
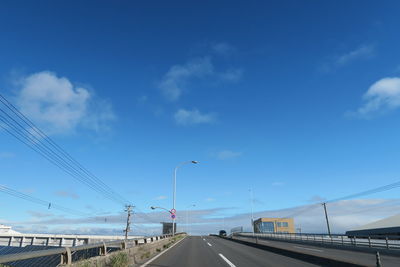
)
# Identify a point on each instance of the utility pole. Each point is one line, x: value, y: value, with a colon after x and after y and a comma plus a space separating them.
x: 128, y: 208
x: 327, y: 221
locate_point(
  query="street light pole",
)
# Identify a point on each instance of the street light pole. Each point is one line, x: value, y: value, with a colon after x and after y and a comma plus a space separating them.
x: 174, y: 190
x: 252, y: 210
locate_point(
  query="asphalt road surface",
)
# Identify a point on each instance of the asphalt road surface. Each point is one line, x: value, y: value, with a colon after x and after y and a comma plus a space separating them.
x: 196, y: 251
x: 357, y: 257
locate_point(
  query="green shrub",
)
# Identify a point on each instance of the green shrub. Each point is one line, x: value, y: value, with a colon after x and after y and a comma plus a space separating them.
x: 119, y: 260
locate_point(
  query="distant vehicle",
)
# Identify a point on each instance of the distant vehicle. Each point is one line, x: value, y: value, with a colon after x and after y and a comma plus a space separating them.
x: 222, y: 233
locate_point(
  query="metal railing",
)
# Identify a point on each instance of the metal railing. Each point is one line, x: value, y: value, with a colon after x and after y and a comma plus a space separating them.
x: 382, y: 242
x: 67, y: 255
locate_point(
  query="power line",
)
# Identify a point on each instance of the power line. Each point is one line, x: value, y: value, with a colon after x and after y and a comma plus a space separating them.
x: 12, y: 108
x: 39, y: 201
x: 367, y: 192
x: 37, y: 140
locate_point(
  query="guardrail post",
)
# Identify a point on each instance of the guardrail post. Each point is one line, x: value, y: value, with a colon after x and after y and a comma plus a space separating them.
x: 66, y: 257
x: 10, y: 242
x: 151, y: 240
x: 355, y: 242
x: 123, y: 245
x: 342, y: 241
x: 369, y: 241
x: 387, y: 242
x: 378, y: 260
x: 103, y: 250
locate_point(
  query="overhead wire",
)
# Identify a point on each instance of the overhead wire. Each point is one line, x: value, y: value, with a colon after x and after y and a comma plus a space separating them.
x: 39, y: 201
x: 34, y: 137
x: 28, y: 122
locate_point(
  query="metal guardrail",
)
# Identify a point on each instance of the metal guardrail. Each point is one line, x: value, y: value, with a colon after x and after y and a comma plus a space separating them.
x: 382, y: 242
x: 67, y: 252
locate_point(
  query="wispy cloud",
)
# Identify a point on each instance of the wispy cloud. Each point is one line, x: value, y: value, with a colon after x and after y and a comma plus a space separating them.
x: 228, y: 154
x: 316, y: 199
x: 381, y: 97
x: 38, y: 214
x: 161, y: 198
x: 59, y: 106
x: 362, y: 52
x: 67, y: 194
x: 6, y: 155
x: 343, y: 215
x: 223, y: 48
x: 209, y: 199
x: 192, y: 117
x: 278, y: 184
x: 365, y: 51
x: 179, y: 77
x: 231, y: 75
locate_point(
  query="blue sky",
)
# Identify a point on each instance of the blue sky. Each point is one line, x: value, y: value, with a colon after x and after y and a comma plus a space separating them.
x: 297, y: 100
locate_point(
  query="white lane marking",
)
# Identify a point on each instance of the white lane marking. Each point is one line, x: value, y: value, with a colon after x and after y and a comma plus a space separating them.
x: 151, y: 260
x: 312, y: 249
x: 227, y: 261
x: 204, y: 239
x: 209, y: 244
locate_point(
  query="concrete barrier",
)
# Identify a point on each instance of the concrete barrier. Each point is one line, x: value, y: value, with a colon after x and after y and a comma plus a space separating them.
x: 135, y: 255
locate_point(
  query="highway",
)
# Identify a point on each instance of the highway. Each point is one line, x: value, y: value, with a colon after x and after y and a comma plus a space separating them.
x: 196, y: 251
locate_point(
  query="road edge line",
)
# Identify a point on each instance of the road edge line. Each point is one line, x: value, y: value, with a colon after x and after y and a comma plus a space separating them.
x: 226, y: 260
x: 155, y: 257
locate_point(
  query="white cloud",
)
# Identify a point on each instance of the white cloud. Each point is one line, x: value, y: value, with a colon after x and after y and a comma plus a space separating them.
x: 179, y: 77
x: 343, y: 215
x: 383, y: 95
x: 228, y: 154
x: 209, y: 199
x: 59, y: 106
x: 175, y: 80
x: 191, y: 117
x: 364, y: 51
x: 161, y: 197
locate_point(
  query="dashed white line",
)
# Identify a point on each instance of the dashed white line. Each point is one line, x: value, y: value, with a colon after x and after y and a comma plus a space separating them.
x: 209, y: 244
x: 226, y: 260
x: 204, y: 239
x: 312, y: 249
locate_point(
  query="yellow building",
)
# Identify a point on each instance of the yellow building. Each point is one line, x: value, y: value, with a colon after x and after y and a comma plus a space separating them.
x: 274, y: 225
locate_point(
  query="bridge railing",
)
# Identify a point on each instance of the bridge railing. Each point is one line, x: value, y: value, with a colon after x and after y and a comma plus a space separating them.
x: 67, y: 255
x: 382, y: 242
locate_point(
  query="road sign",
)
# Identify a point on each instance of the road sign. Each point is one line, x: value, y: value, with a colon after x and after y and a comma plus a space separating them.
x: 173, y: 216
x: 173, y: 211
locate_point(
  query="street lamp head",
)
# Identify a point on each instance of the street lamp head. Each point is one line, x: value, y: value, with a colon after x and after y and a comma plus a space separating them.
x: 153, y: 208
x: 195, y: 162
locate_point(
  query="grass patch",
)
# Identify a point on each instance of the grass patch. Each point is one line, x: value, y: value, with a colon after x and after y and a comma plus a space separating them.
x: 119, y: 260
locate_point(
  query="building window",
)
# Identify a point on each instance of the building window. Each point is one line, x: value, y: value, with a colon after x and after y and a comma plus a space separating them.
x: 267, y: 227
x: 285, y: 224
